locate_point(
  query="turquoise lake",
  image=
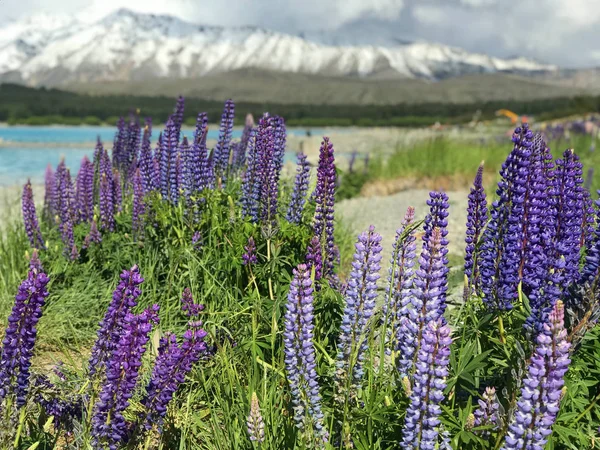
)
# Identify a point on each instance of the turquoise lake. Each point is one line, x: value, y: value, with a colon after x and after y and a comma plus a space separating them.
x: 26, y: 151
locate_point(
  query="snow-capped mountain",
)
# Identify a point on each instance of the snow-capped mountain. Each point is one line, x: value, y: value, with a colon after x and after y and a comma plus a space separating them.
x: 125, y: 46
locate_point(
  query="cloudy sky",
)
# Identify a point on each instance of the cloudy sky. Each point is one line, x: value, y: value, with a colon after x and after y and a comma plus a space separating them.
x: 564, y: 32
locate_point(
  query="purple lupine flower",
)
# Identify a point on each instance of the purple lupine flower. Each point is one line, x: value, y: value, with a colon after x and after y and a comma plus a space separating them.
x: 117, y: 191
x: 476, y: 220
x: 34, y: 262
x: 300, y: 358
x: 107, y: 209
x: 66, y: 232
x: 168, y: 156
x: 269, y: 170
x: 172, y: 365
x: 119, y: 144
x: 501, y: 249
x: 49, y: 209
x: 98, y: 154
x: 592, y: 253
x: 249, y: 256
x: 250, y: 184
x: 360, y: 306
x: 197, y: 241
x: 74, y: 255
x: 32, y: 227
x: 93, y: 236
x: 178, y: 115
x: 132, y: 149
x: 177, y: 177
x: 20, y: 335
x: 188, y: 306
x: 146, y: 163
x: 138, y: 205
x: 400, y: 277
x: 323, y: 224
x: 109, y: 427
x: 588, y: 219
x: 421, y: 425
x: 222, y: 150
x: 255, y: 422
x: 197, y: 178
x: 488, y: 413
x: 352, y: 161
x: 294, y: 212
x: 124, y: 298
x: 242, y: 147
x: 85, y: 190
x: 63, y: 194
x: 280, y: 137
x: 425, y: 304
x: 539, y: 402
x: 314, y: 257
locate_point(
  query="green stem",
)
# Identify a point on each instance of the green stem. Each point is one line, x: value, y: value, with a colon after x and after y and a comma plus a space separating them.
x: 20, y: 428
x: 270, y: 280
x: 501, y: 329
x: 587, y: 410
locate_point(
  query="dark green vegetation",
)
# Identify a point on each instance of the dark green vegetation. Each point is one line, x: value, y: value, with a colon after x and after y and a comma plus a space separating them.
x: 42, y: 106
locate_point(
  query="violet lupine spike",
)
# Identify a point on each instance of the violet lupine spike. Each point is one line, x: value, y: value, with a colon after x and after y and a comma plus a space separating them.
x: 168, y: 156
x: 539, y: 402
x: 98, y: 153
x: 85, y: 190
x: 476, y: 221
x: 223, y: 148
x: 94, y: 236
x: 146, y: 164
x: 488, y: 412
x: 49, y: 209
x: 197, y: 242
x: 400, y: 278
x: 198, y: 161
x: 421, y: 425
x: 172, y: 365
x: 323, y: 224
x: 117, y: 191
x: 58, y: 196
x: 588, y: 219
x: 280, y: 134
x: 34, y: 262
x: 188, y: 306
x: 250, y: 194
x: 178, y: 115
x: 107, y: 208
x: 249, y: 256
x: 132, y: 149
x: 296, y: 207
x: 500, y: 251
x: 177, y: 177
x: 74, y: 254
x: 300, y: 358
x: 66, y: 233
x: 20, y: 335
x: 30, y: 219
x: 124, y: 298
x: 314, y: 257
x: 109, y: 427
x: 592, y: 254
x: 426, y: 303
x: 244, y: 140
x: 139, y: 207
x: 361, y: 294
x: 255, y: 422
x: 268, y: 172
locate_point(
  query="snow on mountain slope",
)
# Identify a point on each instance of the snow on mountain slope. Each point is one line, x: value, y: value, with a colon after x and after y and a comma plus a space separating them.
x: 127, y: 46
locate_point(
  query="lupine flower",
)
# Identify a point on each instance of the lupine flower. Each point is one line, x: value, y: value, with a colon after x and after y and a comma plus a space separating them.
x: 279, y: 142
x: 146, y: 163
x: 119, y: 144
x: 172, y: 365
x: 500, y: 252
x: 85, y: 190
x: 300, y: 359
x: 255, y: 422
x: 314, y: 257
x: 93, y: 236
x: 325, y: 199
x: 488, y: 413
x: 117, y: 192
x: 588, y: 219
x: 107, y: 209
x: 361, y: 294
x: 430, y: 284
x: 124, y: 298
x: 250, y: 184
x: 592, y: 254
x: 196, y: 165
x: 476, y: 220
x: 188, y: 306
x: 49, y: 209
x: 63, y: 190
x: 32, y: 227
x: 539, y: 402
x: 66, y: 231
x: 34, y: 262
x: 421, y: 425
x: 269, y: 170
x: 138, y: 204
x: 109, y: 427
x: 64, y: 410
x: 249, y: 256
x: 222, y: 150
x: 400, y: 277
x: 178, y: 115
x: 98, y: 154
x: 294, y: 213
x: 74, y: 255
x: 245, y: 139
x: 352, y: 161
x: 168, y: 156
x: 197, y: 241
x: 20, y: 335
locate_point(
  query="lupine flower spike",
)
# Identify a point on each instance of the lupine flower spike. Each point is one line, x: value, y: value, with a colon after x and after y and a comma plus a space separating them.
x: 249, y: 256
x: 32, y: 227
x: 255, y: 422
x: 476, y: 220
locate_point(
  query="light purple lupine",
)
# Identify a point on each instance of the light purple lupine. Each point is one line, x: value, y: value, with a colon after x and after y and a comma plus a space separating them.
x: 539, y: 402
x: 119, y: 144
x: 361, y: 294
x: 124, y: 298
x: 421, y: 424
x: 168, y: 157
x: 198, y: 161
x: 107, y: 209
x: 109, y: 427
x: 255, y: 422
x: 139, y: 207
x: 146, y: 164
x: 117, y: 190
x: 223, y: 148
x: 296, y: 207
x: 66, y: 233
x: 188, y: 306
x: 476, y: 221
x: 30, y: 219
x: 49, y: 209
x: 250, y: 184
x: 488, y: 412
x: 269, y: 170
x: 400, y: 278
x: 323, y: 224
x: 85, y: 190
x: 249, y: 256
x: 425, y: 306
x: 300, y: 358
x: 20, y: 335
x: 197, y: 242
x: 314, y: 257
x: 74, y: 254
x: 93, y: 236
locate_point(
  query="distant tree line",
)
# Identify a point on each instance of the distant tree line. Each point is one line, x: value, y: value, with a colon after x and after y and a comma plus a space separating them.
x: 40, y: 106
